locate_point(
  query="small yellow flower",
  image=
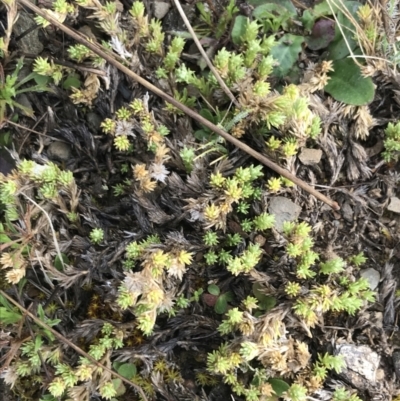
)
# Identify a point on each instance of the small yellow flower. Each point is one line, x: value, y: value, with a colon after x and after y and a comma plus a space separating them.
x: 154, y: 137
x: 155, y: 296
x: 6, y: 260
x: 15, y: 275
x: 212, y: 212
x: 176, y: 269
x: 274, y: 184
x: 185, y: 257
x: 161, y: 154
x: 84, y: 372
x: 147, y: 185
x: 122, y: 143
x: 160, y: 258
x: 140, y: 172
x: 108, y: 126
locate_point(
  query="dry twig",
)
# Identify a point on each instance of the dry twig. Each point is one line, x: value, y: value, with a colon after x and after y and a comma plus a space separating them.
x: 205, y: 56
x: 191, y: 113
x: 72, y: 345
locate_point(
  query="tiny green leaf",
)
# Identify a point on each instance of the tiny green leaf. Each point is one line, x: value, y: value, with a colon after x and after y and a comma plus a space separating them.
x: 72, y: 81
x: 228, y: 296
x: 287, y: 4
x: 59, y: 264
x: 213, y: 289
x: 127, y: 370
x: 267, y: 303
x: 221, y: 305
x: 286, y: 53
x: 279, y: 386
x: 347, y: 85
x: 239, y: 29
x: 119, y: 387
x: 41, y: 80
x: 9, y: 316
x: 340, y: 48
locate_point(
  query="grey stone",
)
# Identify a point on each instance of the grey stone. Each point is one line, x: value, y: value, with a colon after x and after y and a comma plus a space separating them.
x: 23, y: 100
x: 30, y: 43
x: 394, y: 205
x: 310, y: 156
x: 372, y: 276
x: 94, y: 121
x: 396, y: 362
x: 361, y: 365
x: 347, y: 211
x: 59, y: 151
x: 160, y: 9
x: 284, y: 210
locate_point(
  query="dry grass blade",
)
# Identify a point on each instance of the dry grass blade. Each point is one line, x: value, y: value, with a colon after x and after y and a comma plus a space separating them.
x: 72, y: 345
x: 12, y: 14
x: 204, y: 54
x: 334, y: 205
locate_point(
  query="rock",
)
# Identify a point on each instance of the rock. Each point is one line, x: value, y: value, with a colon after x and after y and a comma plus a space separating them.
x: 59, y: 151
x: 347, y: 211
x: 160, y: 9
x: 284, y: 210
x: 94, y: 121
x: 173, y: 21
x: 30, y: 43
x: 310, y: 156
x: 396, y: 362
x: 394, y: 205
x: 372, y: 276
x: 361, y: 365
x: 23, y: 100
x: 7, y: 163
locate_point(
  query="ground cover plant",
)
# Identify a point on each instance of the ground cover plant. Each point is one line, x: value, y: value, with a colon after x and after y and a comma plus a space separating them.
x: 143, y: 256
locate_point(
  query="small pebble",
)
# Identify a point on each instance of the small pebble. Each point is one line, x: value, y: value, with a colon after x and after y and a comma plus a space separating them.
x: 160, y: 9
x: 60, y: 151
x: 284, y: 210
x: 372, y: 276
x: 394, y: 205
x: 310, y: 156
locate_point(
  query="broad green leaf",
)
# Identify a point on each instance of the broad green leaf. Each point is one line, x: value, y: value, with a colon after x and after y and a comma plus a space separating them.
x: 127, y: 370
x: 203, y: 135
x: 339, y: 49
x: 267, y: 303
x: 323, y: 33
x: 8, y: 316
x: 5, y: 138
x: 4, y: 239
x: 287, y: 4
x: 48, y: 397
x: 59, y: 264
x: 72, y: 81
x: 279, y: 386
x: 229, y: 296
x: 116, y: 365
x: 239, y: 29
x: 208, y: 115
x: 307, y: 20
x: 347, y: 85
x: 41, y: 80
x: 286, y: 52
x: 213, y: 289
x: 119, y: 387
x: 269, y: 10
x: 221, y: 305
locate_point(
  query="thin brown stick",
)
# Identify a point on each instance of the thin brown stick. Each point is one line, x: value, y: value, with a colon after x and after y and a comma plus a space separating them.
x: 204, y: 54
x: 191, y: 113
x: 71, y: 344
